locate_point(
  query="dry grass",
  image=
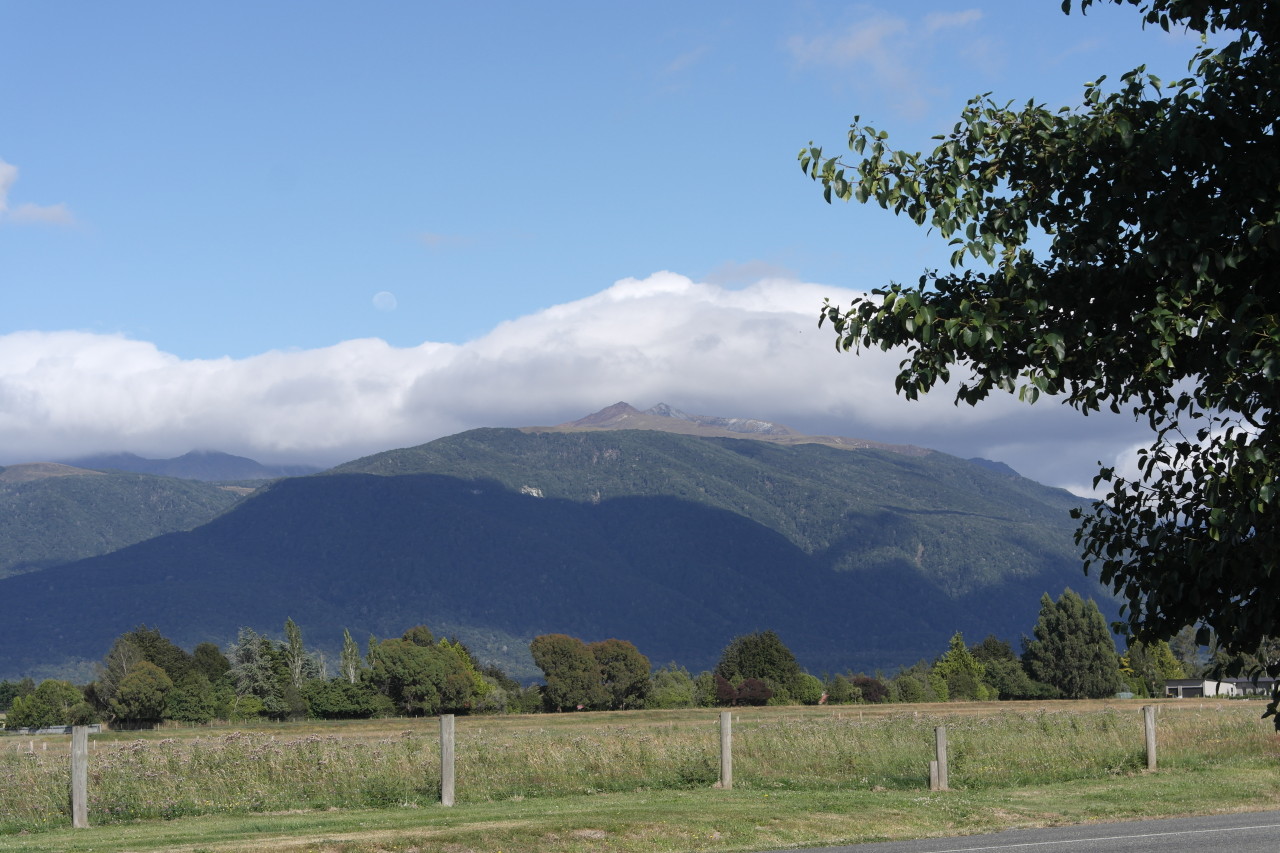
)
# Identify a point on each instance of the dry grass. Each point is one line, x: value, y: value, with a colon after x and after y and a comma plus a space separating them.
x: 394, y: 763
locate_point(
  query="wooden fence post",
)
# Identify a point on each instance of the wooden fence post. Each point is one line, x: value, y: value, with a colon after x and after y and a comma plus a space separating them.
x: 726, y: 750
x: 938, y: 767
x: 1149, y: 723
x: 446, y: 759
x: 80, y: 777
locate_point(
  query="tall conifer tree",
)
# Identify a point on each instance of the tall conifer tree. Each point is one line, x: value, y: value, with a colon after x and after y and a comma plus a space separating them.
x: 349, y: 663
x: 1073, y: 649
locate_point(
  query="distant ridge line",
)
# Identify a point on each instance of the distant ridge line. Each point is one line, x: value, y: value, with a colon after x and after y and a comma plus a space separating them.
x: 665, y: 418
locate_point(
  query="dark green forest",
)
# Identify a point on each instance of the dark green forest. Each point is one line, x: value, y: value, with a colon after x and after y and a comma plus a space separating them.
x: 145, y: 678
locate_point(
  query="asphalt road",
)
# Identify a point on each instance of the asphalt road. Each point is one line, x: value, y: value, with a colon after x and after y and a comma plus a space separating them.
x: 1256, y: 832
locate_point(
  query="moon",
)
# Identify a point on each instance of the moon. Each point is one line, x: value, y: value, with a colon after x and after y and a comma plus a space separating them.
x: 385, y: 301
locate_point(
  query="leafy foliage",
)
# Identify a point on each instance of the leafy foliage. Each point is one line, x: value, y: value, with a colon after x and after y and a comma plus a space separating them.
x: 571, y: 670
x: 624, y: 673
x: 466, y: 686
x: 872, y: 690
x: 257, y: 670
x: 840, y: 691
x: 192, y: 700
x: 1158, y: 205
x: 421, y: 676
x: 963, y: 673
x: 52, y: 703
x: 918, y: 683
x: 142, y: 695
x: 753, y: 691
x: 349, y: 663
x: 1005, y: 673
x: 1147, y: 666
x: 1072, y: 649
x: 340, y: 699
x: 295, y: 654
x: 762, y: 656
x: 209, y: 661
x: 671, y: 687
x: 157, y: 649
x: 10, y: 690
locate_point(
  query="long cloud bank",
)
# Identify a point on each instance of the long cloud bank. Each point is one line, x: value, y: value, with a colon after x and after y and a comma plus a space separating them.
x: 751, y: 352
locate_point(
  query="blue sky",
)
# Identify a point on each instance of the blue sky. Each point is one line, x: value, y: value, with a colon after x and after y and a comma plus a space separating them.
x: 312, y: 230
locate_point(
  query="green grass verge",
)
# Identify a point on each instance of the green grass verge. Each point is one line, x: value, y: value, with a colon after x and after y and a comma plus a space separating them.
x: 698, y: 820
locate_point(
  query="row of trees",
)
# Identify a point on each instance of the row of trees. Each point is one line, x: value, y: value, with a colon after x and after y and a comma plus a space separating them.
x: 1070, y: 654
x: 754, y: 669
x: 145, y: 677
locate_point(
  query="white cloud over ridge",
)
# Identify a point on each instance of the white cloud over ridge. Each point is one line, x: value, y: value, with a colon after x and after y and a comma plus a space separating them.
x: 745, y: 352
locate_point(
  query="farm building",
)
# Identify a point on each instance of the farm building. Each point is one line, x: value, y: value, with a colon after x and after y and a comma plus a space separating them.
x: 1187, y: 688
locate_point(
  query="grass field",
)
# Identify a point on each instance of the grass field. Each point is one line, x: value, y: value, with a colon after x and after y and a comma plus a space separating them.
x: 638, y: 780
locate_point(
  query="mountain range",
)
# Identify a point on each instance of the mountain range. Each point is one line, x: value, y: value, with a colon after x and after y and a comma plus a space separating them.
x: 676, y: 532
x: 207, y: 465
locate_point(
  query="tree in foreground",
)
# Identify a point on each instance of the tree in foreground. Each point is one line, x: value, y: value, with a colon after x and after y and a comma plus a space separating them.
x: 571, y: 670
x: 624, y: 673
x: 964, y: 674
x: 192, y: 700
x: 871, y: 690
x: 1156, y: 291
x: 349, y: 664
x: 763, y: 656
x: 209, y: 661
x: 1072, y: 649
x: 142, y: 695
x: 53, y: 703
x: 10, y: 690
x: 918, y: 683
x: 840, y: 691
x: 671, y: 686
x: 1005, y: 673
x: 257, y: 672
x: 1147, y: 666
x: 421, y: 676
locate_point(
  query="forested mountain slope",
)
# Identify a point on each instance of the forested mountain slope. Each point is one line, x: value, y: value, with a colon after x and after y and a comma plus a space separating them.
x: 858, y: 558
x: 959, y: 523
x: 52, y: 514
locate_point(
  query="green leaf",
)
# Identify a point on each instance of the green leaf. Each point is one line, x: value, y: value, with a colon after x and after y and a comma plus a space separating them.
x: 1055, y: 342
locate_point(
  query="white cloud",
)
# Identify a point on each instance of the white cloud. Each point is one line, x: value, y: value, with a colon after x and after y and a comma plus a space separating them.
x: 748, y: 352
x: 875, y: 46
x: 48, y: 214
x: 28, y: 213
x: 935, y: 21
x: 8, y: 176
x: 870, y: 40
x: 686, y: 60
x: 886, y: 49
